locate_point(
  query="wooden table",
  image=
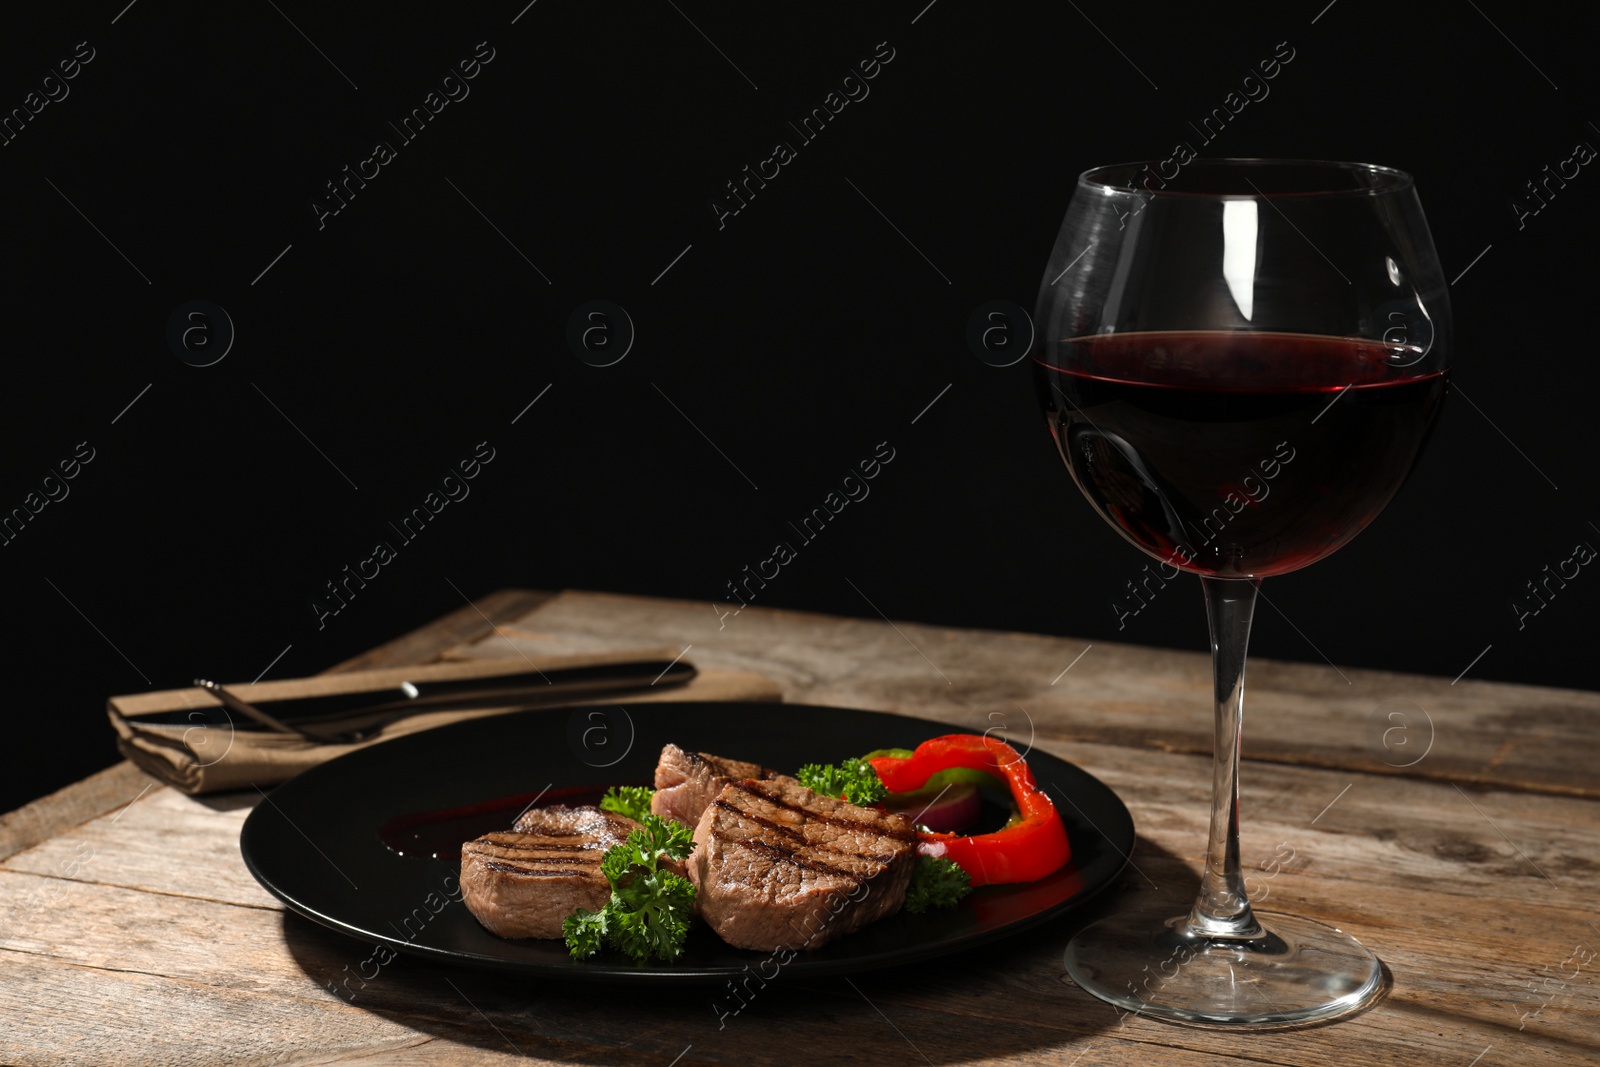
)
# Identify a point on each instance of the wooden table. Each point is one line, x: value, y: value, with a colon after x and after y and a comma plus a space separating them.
x: 1453, y: 828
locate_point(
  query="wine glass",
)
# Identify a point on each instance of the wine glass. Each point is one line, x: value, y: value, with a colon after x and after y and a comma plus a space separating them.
x: 1240, y: 361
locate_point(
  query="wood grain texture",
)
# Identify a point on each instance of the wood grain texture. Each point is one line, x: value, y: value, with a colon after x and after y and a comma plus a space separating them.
x: 72, y: 806
x: 1376, y: 722
x: 105, y: 790
x: 1465, y: 932
x: 135, y: 935
x: 167, y: 843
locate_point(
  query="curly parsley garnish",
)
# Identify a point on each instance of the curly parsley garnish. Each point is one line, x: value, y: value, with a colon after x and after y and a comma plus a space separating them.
x: 854, y: 779
x: 648, y: 914
x: 936, y: 883
x: 630, y: 800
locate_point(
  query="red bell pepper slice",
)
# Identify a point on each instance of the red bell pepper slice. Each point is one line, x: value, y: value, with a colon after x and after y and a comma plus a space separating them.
x: 1030, y: 848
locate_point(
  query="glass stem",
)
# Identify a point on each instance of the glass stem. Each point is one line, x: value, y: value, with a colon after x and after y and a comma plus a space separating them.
x: 1222, y: 908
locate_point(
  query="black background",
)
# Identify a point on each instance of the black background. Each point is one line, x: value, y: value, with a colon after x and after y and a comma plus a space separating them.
x: 795, y: 338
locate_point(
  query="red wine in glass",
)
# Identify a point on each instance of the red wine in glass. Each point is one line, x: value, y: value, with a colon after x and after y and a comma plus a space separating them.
x: 1238, y: 454
x: 1240, y: 364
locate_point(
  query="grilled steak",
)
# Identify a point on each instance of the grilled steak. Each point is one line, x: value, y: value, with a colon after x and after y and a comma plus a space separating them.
x: 686, y: 782
x: 777, y: 866
x: 522, y: 882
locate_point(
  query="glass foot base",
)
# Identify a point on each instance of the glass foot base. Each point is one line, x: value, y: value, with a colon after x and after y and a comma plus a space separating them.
x: 1298, y: 972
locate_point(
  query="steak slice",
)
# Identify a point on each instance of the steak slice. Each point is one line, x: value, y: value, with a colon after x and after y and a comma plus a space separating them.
x: 777, y: 866
x: 687, y: 782
x: 524, y: 881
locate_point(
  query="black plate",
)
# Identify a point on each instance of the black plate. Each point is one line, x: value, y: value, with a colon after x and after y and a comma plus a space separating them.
x: 314, y: 842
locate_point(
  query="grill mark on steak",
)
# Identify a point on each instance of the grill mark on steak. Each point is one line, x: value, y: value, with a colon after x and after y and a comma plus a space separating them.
x: 760, y: 820
x: 788, y: 855
x: 778, y: 866
x: 514, y: 853
x: 877, y: 830
x: 533, y: 872
x: 570, y: 852
x: 687, y: 782
x: 523, y: 882
x: 518, y: 841
x: 518, y: 859
x: 795, y: 835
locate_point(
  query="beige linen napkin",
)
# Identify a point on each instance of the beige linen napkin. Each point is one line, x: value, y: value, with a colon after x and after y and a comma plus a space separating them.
x: 198, y: 758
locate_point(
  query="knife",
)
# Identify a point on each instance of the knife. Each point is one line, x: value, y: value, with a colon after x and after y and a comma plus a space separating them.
x: 309, y: 716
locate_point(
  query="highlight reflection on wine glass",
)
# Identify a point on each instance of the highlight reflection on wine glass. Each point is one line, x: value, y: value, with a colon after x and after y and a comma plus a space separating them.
x: 1240, y: 366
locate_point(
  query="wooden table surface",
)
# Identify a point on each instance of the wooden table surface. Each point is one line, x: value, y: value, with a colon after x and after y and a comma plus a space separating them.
x: 1453, y: 828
